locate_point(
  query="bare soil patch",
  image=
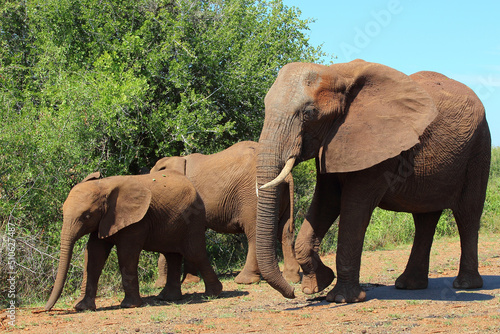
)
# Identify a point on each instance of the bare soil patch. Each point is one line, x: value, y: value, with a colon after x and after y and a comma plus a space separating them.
x: 258, y: 308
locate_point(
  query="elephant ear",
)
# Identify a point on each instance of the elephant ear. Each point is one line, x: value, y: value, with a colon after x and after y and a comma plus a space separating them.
x: 385, y: 113
x: 93, y: 176
x: 127, y: 203
x: 171, y: 163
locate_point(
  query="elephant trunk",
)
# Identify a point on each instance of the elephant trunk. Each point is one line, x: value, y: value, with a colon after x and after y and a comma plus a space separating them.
x: 67, y: 243
x: 270, y: 163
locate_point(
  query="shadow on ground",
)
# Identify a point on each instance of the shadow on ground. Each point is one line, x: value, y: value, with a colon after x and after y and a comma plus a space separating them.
x: 152, y: 300
x: 439, y: 289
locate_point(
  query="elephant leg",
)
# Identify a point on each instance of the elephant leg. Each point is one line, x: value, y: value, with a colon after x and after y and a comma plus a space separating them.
x: 96, y: 254
x: 128, y: 260
x: 172, y: 289
x: 250, y: 272
x: 286, y: 230
x: 196, y: 253
x: 162, y: 272
x: 361, y: 193
x: 468, y: 229
x: 352, y: 227
x: 190, y: 273
x: 324, y: 210
x: 416, y: 274
x: 468, y: 215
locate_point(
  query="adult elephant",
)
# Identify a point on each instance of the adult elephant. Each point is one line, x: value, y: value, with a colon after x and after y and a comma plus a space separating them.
x: 159, y: 212
x: 226, y: 183
x: 417, y: 144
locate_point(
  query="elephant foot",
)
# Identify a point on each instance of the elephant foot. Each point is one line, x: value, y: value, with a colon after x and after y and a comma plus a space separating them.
x: 85, y: 304
x: 318, y: 281
x: 129, y: 302
x: 291, y: 276
x: 170, y: 294
x: 160, y: 282
x: 412, y: 281
x: 190, y: 278
x: 346, y: 293
x: 247, y: 277
x: 213, y: 290
x: 468, y: 280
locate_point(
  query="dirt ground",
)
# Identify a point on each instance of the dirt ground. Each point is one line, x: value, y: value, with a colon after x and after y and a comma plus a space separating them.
x: 260, y: 309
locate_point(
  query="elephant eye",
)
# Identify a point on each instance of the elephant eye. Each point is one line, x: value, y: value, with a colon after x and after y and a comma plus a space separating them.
x: 310, y: 113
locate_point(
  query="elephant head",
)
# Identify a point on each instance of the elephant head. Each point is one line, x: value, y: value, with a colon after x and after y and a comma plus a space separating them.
x: 349, y: 116
x: 172, y: 163
x: 103, y: 205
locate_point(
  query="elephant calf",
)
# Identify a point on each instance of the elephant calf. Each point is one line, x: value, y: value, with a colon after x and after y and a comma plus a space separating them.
x: 159, y: 212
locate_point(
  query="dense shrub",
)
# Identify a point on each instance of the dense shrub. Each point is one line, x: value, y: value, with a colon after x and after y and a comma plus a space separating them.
x: 90, y: 85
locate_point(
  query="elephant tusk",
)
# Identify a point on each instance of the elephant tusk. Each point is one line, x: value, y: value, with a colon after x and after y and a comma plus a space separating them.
x: 281, y: 177
x: 256, y: 188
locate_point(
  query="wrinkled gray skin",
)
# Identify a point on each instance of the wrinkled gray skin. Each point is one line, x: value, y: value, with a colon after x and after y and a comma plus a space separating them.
x: 417, y: 144
x: 157, y: 212
x: 226, y: 183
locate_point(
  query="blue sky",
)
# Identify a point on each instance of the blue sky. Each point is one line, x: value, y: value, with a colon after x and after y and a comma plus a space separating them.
x: 460, y: 39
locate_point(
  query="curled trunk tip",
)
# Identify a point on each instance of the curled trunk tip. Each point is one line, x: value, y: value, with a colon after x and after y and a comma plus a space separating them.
x: 289, y: 292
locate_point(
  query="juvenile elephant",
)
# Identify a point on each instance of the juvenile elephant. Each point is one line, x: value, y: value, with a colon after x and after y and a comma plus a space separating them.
x: 157, y: 212
x: 417, y: 144
x: 226, y: 183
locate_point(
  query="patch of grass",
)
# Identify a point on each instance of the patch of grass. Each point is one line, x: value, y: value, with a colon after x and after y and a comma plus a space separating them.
x: 387, y: 229
x: 416, y: 302
x: 208, y: 298
x: 148, y: 289
x: 159, y: 318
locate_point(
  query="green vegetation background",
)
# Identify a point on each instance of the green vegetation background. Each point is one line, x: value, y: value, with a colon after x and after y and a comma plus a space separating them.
x: 113, y: 86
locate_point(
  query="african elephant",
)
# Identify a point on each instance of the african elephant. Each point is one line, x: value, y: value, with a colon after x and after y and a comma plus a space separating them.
x: 417, y: 144
x: 158, y: 212
x: 226, y: 183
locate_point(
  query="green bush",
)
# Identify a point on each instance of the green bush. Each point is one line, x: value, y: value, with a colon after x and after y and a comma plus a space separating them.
x: 112, y: 86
